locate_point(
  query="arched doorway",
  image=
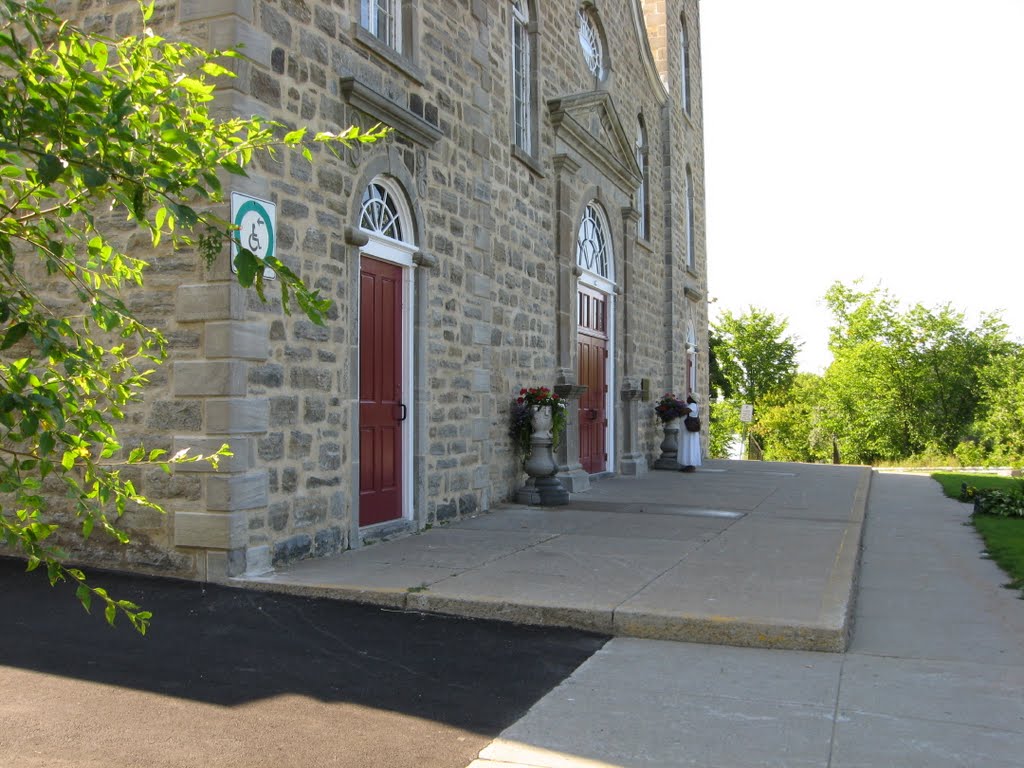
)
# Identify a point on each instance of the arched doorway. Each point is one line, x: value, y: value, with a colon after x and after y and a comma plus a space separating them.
x: 594, y: 337
x: 386, y: 299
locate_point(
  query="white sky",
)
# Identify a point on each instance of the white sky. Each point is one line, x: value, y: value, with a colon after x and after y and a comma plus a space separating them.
x: 881, y: 139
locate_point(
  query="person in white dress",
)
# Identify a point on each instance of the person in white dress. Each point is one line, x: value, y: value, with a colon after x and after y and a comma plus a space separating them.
x: 689, y: 442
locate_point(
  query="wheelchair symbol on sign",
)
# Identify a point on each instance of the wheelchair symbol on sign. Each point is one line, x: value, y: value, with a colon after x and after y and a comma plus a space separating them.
x: 255, y: 221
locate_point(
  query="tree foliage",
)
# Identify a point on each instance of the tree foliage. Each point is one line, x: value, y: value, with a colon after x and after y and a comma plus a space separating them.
x: 913, y: 383
x: 999, y: 428
x: 792, y: 424
x: 904, y: 382
x: 754, y: 353
x: 756, y: 362
x: 724, y: 427
x: 99, y: 137
x: 718, y: 384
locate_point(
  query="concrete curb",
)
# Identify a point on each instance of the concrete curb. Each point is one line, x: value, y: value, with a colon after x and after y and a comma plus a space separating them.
x: 828, y: 630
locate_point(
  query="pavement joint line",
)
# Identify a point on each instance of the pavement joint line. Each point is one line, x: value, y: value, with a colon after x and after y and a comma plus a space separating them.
x: 676, y: 564
x: 835, y: 713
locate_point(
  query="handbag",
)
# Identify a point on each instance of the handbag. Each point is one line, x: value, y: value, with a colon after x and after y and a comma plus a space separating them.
x: 692, y: 423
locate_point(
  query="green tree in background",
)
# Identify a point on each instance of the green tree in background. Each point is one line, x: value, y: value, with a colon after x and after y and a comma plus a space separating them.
x: 754, y: 353
x: 903, y: 383
x: 718, y: 384
x: 724, y: 427
x: 100, y: 139
x: 999, y: 428
x: 792, y: 424
x: 756, y: 359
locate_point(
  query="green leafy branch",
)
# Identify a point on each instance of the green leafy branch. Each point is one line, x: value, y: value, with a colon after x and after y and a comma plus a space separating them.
x: 100, y: 137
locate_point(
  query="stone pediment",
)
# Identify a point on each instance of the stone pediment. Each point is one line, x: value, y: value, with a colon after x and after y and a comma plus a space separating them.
x: 589, y: 124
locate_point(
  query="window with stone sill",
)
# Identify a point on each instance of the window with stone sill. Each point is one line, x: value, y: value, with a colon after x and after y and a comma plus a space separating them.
x: 522, y: 74
x: 387, y: 27
x: 383, y: 20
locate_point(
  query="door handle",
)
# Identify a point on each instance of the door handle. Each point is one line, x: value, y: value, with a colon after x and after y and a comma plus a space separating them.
x: 405, y: 411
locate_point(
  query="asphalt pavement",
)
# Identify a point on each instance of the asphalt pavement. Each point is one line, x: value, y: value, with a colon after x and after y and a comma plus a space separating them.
x: 233, y: 678
x: 746, y: 554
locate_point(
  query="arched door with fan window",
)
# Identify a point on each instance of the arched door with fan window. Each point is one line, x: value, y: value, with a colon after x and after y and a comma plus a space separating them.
x: 385, y: 369
x: 594, y: 338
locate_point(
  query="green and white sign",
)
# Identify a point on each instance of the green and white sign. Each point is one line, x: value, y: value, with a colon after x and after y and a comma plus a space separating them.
x: 257, y: 222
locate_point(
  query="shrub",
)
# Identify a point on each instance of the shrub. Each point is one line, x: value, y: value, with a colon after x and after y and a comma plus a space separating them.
x: 994, y: 501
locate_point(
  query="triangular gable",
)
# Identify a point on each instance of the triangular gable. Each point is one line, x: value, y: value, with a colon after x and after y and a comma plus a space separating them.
x: 589, y: 124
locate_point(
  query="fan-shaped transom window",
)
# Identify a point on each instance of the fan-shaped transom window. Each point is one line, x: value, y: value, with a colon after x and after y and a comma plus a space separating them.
x: 592, y: 247
x: 381, y: 213
x: 590, y: 43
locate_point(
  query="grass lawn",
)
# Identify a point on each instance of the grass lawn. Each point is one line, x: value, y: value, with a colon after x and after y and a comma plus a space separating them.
x: 1003, y: 536
x: 1004, y: 540
x: 951, y: 482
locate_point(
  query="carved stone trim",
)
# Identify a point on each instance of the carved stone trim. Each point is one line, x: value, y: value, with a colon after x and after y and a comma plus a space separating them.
x: 570, y: 114
x: 421, y: 259
x: 564, y: 164
x: 632, y: 388
x: 382, y: 109
x: 570, y: 391
x: 650, y: 66
x: 355, y: 236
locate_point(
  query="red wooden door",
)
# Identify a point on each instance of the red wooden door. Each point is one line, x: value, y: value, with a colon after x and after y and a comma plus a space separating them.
x: 593, y: 366
x: 380, y: 392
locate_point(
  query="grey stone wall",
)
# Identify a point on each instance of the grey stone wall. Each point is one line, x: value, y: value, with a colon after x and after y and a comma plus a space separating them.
x: 497, y: 240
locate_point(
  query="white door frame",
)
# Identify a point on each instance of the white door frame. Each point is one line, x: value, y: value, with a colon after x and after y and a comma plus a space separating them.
x: 607, y: 288
x: 400, y: 254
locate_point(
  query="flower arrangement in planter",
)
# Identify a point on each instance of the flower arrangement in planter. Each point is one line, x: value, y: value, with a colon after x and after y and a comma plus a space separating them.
x: 521, y: 424
x: 670, y: 407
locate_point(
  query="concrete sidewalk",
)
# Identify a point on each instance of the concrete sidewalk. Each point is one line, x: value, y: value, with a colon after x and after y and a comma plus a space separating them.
x: 932, y: 678
x: 739, y: 553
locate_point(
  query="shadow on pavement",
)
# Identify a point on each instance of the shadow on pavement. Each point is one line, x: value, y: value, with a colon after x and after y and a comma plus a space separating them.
x: 226, y: 646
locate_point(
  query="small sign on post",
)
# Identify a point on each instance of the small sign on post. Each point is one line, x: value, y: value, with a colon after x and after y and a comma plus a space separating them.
x: 257, y: 224
x: 746, y: 413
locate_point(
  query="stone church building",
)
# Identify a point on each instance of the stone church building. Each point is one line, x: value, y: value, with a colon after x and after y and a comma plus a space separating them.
x: 536, y: 218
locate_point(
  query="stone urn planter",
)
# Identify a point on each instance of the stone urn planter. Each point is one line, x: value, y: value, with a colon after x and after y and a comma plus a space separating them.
x: 669, y: 458
x: 541, y: 487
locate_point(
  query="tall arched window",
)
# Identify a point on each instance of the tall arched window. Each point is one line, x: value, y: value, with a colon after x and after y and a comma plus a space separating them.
x: 592, y: 248
x: 684, y: 74
x: 691, y: 240
x: 642, y: 204
x: 591, y: 43
x: 522, y: 66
